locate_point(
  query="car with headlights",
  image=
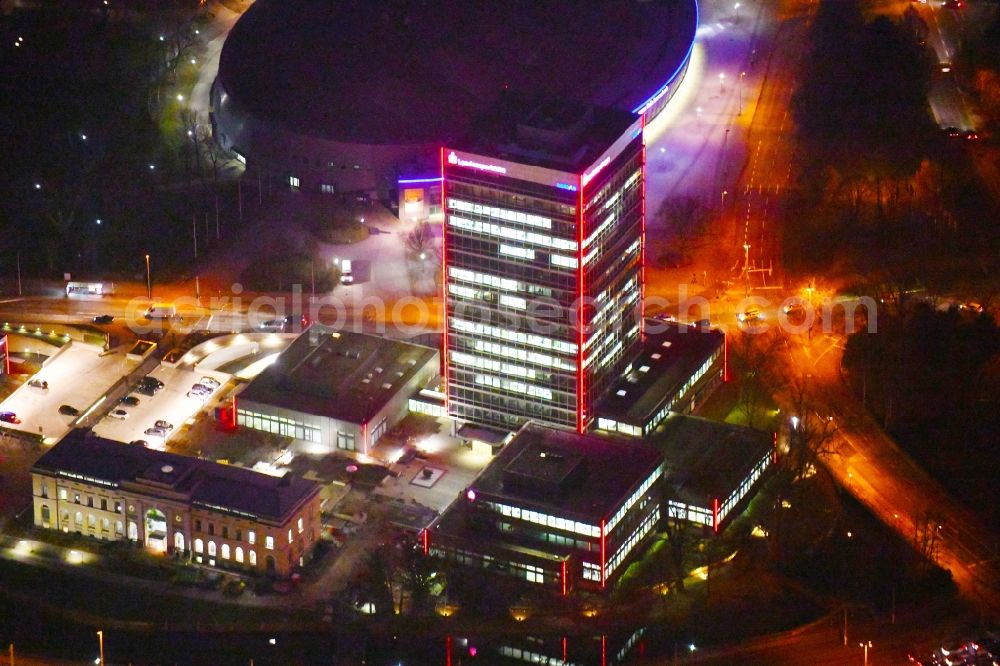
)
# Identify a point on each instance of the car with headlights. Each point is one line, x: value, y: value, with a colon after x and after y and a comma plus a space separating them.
x: 210, y: 383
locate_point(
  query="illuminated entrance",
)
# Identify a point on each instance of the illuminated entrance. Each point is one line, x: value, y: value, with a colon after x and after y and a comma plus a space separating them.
x: 156, y: 531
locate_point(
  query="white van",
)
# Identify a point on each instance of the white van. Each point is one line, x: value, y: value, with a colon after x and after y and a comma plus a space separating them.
x: 161, y: 311
x: 346, y: 274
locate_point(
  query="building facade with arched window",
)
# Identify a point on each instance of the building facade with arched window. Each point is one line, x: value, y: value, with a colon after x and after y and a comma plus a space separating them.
x: 205, y: 512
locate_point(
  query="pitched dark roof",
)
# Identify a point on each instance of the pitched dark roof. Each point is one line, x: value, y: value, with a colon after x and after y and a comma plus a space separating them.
x: 85, y: 457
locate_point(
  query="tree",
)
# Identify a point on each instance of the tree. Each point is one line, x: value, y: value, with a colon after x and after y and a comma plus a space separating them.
x: 862, y: 104
x: 420, y: 240
x: 377, y: 578
x: 418, y: 575
x: 682, y: 537
x: 685, y: 218
x: 753, y: 356
x: 809, y: 436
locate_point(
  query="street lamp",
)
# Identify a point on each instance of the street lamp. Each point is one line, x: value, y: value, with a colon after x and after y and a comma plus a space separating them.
x: 742, y: 76
x: 724, y: 193
x: 100, y: 642
x: 795, y: 423
x: 149, y: 281
x: 865, y: 646
x: 722, y: 80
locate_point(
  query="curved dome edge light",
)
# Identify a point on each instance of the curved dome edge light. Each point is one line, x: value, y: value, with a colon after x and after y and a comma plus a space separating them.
x: 642, y: 108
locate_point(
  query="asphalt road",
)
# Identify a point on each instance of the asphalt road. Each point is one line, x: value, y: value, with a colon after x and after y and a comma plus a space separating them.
x: 870, y: 465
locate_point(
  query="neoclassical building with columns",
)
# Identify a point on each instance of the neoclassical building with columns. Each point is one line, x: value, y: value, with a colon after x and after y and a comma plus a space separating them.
x: 205, y: 512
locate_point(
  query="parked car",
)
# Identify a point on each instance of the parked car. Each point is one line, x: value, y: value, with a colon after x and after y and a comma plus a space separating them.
x: 750, y: 315
x: 165, y: 425
x: 209, y: 382
x: 68, y: 410
x: 201, y: 389
x: 103, y: 319
x: 39, y: 383
x: 155, y: 432
x: 119, y: 414
x: 130, y: 400
x: 150, y: 385
x: 409, y: 453
x: 9, y: 417
x: 198, y: 395
x: 140, y: 442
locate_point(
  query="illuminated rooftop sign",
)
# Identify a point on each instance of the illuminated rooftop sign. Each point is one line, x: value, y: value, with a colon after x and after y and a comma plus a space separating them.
x: 588, y: 176
x: 457, y: 161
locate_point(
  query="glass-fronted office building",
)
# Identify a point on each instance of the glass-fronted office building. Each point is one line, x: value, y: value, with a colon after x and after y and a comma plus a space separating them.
x: 543, y: 243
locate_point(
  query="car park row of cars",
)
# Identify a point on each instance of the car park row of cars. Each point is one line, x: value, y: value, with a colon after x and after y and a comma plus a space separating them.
x: 201, y: 390
x: 982, y: 651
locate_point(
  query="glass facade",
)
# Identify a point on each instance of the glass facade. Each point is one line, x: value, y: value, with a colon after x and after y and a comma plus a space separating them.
x: 277, y: 425
x: 543, y: 286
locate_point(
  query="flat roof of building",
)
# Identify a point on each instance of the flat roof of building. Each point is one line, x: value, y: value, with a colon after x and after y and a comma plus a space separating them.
x: 85, y: 457
x: 567, y: 474
x: 557, y: 134
x: 340, y: 374
x: 381, y: 72
x: 671, y: 353
x: 708, y: 459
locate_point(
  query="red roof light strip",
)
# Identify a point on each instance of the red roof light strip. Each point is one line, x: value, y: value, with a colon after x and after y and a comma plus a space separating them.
x: 580, y: 402
x: 444, y: 285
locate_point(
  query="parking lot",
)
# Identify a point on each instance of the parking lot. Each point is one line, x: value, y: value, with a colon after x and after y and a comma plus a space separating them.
x: 170, y: 404
x: 78, y: 377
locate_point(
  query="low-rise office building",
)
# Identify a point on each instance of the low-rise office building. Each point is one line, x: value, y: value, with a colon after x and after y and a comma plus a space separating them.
x: 555, y: 508
x: 711, y: 467
x: 679, y: 367
x: 213, y: 514
x: 337, y: 390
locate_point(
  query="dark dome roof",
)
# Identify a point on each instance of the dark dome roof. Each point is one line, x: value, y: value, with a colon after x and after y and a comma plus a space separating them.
x: 413, y: 71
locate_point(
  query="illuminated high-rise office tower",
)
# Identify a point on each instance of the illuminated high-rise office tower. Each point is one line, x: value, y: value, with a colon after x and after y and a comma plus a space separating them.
x: 543, y: 245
